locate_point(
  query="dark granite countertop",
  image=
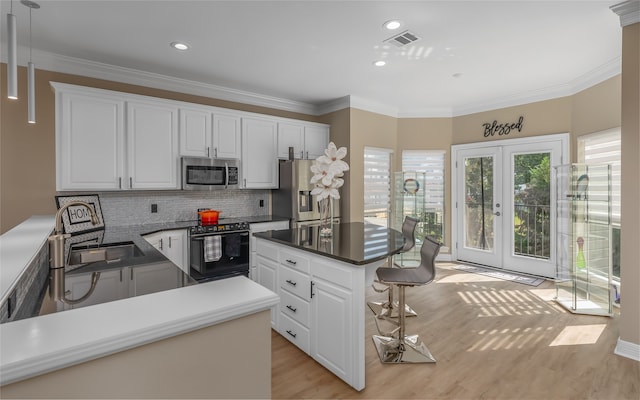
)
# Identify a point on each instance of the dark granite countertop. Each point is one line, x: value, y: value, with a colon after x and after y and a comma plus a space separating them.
x: 353, y: 242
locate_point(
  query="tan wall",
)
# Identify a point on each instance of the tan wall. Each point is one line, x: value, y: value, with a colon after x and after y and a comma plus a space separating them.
x: 340, y: 122
x: 27, y: 151
x: 630, y: 229
x: 540, y: 118
x: 228, y: 360
x: 370, y: 130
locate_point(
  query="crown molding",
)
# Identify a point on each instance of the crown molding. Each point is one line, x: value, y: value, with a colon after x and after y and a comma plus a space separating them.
x: 70, y: 65
x: 75, y: 66
x: 587, y: 80
x: 628, y: 11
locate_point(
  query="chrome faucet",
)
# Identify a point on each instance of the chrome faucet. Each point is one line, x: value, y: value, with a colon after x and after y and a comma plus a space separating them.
x: 56, y: 241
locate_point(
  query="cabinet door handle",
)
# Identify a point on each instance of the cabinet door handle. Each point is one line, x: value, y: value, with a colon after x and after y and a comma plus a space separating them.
x: 291, y: 333
x: 161, y: 244
x: 312, y: 289
x: 130, y: 183
x: 169, y: 241
x: 120, y: 183
x: 215, y: 152
x: 292, y: 308
x: 290, y: 282
x: 245, y: 182
x: 301, y: 153
x: 292, y: 262
x: 208, y: 155
x: 307, y: 157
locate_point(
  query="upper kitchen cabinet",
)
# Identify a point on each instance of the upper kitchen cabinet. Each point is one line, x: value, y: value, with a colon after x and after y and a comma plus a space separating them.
x: 206, y: 133
x: 308, y: 140
x: 90, y: 139
x: 152, y: 144
x: 259, y: 153
x: 97, y: 148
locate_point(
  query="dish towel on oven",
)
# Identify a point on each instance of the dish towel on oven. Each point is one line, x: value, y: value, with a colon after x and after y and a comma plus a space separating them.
x: 212, y: 248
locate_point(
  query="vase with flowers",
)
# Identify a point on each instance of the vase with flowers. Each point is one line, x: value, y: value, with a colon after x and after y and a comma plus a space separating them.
x: 328, y: 171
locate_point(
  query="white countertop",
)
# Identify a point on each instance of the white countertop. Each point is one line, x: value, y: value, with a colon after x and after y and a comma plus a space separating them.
x: 42, y: 344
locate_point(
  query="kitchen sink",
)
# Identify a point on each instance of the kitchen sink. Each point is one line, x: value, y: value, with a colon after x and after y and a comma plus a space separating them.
x: 111, y: 253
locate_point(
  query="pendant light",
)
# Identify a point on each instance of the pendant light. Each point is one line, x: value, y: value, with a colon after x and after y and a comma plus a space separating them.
x: 12, y: 56
x: 31, y: 70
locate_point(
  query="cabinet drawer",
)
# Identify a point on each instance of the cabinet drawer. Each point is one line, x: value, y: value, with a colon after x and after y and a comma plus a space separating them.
x: 294, y: 282
x: 294, y: 307
x: 294, y: 260
x: 295, y: 333
x: 264, y: 249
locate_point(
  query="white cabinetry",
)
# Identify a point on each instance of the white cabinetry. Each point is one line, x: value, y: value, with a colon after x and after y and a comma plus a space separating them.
x: 98, y: 149
x: 261, y: 227
x: 308, y: 140
x: 259, y: 153
x: 89, y: 141
x: 152, y: 144
x: 173, y: 245
x: 318, y: 311
x: 204, y: 132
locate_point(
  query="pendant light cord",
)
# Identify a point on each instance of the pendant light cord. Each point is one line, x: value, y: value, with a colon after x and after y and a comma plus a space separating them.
x: 30, y: 46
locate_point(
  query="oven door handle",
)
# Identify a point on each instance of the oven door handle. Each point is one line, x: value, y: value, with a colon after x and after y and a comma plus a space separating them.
x: 201, y: 236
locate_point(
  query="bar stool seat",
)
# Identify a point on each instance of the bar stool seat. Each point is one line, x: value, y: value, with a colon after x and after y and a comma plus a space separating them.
x: 401, y: 348
x: 389, y: 308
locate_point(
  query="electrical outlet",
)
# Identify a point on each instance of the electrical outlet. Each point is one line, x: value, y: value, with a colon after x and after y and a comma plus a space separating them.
x: 154, y: 208
x: 261, y: 203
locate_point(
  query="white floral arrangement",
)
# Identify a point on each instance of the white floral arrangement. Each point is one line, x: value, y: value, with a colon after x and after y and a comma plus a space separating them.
x: 328, y: 171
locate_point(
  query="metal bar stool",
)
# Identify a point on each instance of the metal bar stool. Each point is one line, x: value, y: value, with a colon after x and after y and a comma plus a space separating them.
x: 389, y: 308
x: 407, y: 348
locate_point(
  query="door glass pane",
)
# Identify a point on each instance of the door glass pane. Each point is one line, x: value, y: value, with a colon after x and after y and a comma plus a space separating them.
x: 478, y: 177
x: 532, y: 205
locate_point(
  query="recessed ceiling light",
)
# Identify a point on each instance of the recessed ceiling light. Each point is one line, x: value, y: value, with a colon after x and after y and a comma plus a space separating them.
x: 379, y: 63
x: 457, y: 75
x: 391, y: 25
x: 179, y: 45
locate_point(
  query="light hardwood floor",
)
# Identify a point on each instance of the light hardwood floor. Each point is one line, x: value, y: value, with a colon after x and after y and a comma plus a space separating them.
x: 492, y: 339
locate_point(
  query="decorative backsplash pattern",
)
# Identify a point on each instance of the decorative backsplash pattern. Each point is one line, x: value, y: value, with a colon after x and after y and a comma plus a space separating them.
x: 134, y: 208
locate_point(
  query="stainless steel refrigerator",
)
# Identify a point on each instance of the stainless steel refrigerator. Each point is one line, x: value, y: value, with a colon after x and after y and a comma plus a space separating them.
x: 293, y: 199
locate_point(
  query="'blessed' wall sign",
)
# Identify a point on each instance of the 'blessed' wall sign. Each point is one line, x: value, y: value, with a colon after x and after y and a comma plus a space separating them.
x: 491, y: 129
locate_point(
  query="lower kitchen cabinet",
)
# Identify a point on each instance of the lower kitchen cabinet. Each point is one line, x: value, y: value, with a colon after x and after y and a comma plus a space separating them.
x: 316, y: 310
x: 267, y: 276
x: 173, y: 245
x: 261, y: 227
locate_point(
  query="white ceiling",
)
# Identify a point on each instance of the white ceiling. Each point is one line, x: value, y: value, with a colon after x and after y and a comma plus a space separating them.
x: 307, y: 54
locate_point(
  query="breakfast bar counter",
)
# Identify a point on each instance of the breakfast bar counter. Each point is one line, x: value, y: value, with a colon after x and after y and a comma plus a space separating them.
x: 321, y: 283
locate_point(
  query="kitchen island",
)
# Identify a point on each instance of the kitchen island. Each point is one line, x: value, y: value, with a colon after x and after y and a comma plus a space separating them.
x: 165, y: 344
x: 321, y: 283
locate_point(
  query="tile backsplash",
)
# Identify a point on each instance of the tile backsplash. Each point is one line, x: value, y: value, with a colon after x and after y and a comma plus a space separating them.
x: 134, y: 208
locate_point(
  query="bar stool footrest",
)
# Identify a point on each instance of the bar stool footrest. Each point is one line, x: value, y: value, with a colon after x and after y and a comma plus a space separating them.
x: 411, y: 350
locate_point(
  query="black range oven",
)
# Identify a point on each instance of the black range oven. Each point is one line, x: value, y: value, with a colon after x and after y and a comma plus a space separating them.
x: 219, y: 251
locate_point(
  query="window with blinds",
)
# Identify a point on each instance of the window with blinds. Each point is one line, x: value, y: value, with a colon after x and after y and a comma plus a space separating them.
x: 606, y: 148
x: 431, y: 163
x: 377, y: 185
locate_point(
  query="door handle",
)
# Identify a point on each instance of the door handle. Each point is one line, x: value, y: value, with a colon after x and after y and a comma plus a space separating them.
x: 497, y: 214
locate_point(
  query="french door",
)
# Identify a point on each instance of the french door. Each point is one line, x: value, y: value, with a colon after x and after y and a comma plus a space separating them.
x: 504, y: 203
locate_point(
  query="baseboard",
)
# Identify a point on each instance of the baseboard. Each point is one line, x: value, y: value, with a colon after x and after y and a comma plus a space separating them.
x: 628, y: 350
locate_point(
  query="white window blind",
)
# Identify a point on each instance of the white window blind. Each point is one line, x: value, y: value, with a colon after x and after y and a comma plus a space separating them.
x: 377, y: 185
x: 432, y: 164
x: 605, y: 148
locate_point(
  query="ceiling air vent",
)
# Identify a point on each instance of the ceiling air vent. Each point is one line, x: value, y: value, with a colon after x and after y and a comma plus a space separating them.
x: 402, y: 39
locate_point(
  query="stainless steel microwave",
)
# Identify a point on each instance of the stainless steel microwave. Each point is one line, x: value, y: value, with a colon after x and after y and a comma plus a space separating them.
x: 202, y: 173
